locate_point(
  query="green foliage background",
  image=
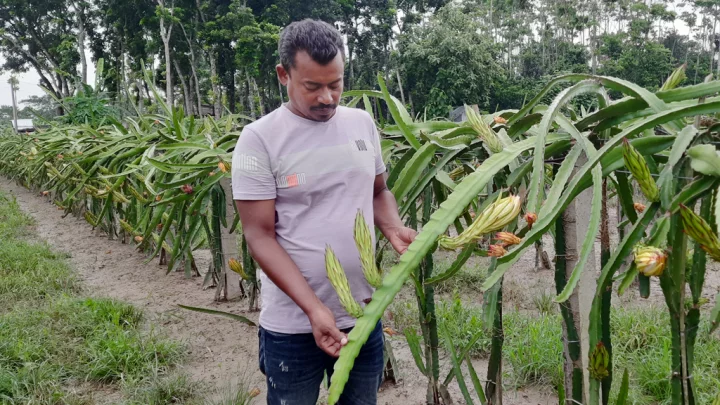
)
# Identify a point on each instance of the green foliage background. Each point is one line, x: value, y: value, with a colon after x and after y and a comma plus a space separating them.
x: 435, y: 55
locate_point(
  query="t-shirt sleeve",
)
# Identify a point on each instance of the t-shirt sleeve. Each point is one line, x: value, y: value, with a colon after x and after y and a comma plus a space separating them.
x: 379, y: 164
x: 252, y: 177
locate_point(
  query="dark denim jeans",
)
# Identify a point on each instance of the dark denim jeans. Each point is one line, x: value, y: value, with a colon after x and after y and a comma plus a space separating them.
x: 294, y: 368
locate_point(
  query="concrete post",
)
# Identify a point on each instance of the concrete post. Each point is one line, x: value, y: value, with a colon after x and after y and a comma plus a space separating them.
x: 229, y: 280
x: 588, y: 281
x: 575, y: 225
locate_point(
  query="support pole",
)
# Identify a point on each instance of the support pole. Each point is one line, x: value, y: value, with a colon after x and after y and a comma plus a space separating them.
x: 13, y: 88
x: 229, y: 280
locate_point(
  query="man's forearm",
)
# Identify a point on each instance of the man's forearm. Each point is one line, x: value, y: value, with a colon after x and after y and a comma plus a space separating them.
x: 282, y: 270
x: 386, y: 212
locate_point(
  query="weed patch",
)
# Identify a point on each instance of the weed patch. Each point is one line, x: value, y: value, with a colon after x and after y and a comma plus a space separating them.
x: 533, y: 347
x: 52, y: 339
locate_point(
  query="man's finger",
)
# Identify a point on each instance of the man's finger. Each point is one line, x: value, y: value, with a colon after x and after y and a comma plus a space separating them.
x: 409, y: 234
x: 338, y: 336
x: 336, y: 349
x: 333, y: 349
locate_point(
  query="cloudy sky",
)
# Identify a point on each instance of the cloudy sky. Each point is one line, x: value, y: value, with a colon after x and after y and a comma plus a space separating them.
x: 28, y: 87
x: 29, y: 83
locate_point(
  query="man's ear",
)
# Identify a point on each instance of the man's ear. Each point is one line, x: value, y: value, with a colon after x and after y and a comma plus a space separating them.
x: 283, y: 75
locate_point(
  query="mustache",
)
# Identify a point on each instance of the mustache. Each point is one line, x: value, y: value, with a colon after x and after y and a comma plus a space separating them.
x: 324, y: 107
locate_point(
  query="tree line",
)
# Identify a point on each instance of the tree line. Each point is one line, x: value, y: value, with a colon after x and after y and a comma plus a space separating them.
x: 218, y: 56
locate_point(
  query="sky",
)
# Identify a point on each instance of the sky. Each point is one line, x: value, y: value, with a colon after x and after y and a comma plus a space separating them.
x: 29, y: 83
x: 28, y: 87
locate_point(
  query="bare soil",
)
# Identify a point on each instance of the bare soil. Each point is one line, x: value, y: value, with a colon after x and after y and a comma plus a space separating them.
x: 221, y: 351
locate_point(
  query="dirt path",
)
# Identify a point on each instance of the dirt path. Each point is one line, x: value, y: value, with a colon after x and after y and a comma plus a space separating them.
x: 219, y: 350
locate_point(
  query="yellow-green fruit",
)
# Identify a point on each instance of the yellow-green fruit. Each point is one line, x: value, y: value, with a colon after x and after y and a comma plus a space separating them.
x: 699, y: 230
x: 493, y: 218
x: 224, y: 166
x: 78, y: 168
x: 717, y: 399
x: 649, y: 260
x: 126, y: 226
x: 599, y: 362
x: 457, y: 172
x: 237, y: 267
x: 51, y: 168
x: 336, y: 274
x: 165, y: 245
x: 363, y: 241
x: 119, y: 197
x: 90, y: 218
x: 91, y: 191
x: 637, y: 165
x: 137, y: 195
x: 487, y: 135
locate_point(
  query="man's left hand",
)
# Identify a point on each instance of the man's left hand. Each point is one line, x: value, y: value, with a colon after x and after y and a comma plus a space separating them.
x: 400, y: 238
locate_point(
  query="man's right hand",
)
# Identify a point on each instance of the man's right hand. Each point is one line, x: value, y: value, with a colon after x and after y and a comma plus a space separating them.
x: 327, y: 336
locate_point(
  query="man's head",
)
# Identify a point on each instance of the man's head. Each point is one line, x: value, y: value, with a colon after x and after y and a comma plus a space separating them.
x: 312, y: 66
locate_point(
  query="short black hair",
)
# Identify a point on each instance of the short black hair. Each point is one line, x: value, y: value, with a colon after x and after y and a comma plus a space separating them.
x: 319, y: 39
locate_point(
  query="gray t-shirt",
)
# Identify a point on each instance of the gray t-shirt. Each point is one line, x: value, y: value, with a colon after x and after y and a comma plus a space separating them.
x: 320, y: 174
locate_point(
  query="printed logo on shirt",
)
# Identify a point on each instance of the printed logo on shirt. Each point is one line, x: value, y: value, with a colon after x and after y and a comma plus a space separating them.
x: 291, y: 180
x: 248, y: 163
x: 360, y: 144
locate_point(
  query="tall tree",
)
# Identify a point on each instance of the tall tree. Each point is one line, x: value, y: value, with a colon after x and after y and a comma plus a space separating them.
x: 448, y: 62
x: 127, y: 42
x: 36, y: 34
x: 224, y: 51
x: 166, y: 15
x: 208, y: 38
x: 80, y: 8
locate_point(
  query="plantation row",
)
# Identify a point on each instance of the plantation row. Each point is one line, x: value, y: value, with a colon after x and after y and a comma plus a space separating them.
x: 156, y: 181
x: 160, y: 181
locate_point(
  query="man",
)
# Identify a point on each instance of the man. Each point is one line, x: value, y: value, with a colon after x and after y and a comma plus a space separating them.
x: 299, y: 176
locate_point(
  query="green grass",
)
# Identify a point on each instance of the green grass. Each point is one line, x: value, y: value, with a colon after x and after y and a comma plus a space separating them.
x: 642, y: 343
x: 171, y: 389
x: 544, y: 303
x: 29, y: 272
x: 533, y: 347
x: 467, y: 280
x: 235, y: 393
x: 58, y: 347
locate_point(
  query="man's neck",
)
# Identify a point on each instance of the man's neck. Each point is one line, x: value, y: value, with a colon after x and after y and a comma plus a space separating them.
x: 290, y: 106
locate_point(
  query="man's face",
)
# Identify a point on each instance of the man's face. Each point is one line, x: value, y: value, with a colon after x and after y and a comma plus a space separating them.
x: 314, y: 89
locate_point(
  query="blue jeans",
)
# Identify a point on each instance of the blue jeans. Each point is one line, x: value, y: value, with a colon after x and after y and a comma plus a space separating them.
x: 294, y: 367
